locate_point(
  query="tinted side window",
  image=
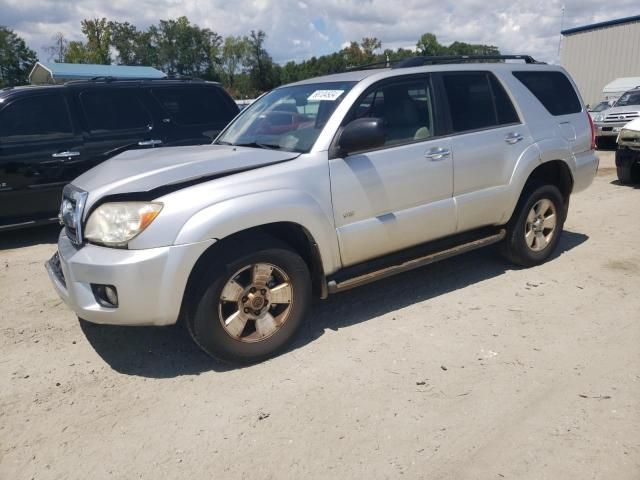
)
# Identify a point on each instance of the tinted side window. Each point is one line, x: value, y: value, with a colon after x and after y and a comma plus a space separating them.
x: 504, y: 108
x: 108, y: 111
x: 35, y: 118
x: 194, y: 106
x: 470, y: 101
x: 553, y: 89
x: 406, y: 107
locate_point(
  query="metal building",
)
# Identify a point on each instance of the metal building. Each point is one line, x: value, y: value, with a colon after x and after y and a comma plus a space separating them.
x: 597, y: 54
x: 63, y: 72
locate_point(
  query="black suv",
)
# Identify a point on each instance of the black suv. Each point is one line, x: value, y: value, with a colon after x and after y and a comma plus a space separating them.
x: 51, y: 134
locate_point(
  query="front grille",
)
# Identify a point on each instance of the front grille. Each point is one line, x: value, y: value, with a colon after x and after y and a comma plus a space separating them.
x: 71, y: 210
x: 621, y: 117
x: 54, y: 263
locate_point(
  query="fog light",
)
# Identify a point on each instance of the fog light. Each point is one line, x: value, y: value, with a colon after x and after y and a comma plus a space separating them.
x: 106, y: 295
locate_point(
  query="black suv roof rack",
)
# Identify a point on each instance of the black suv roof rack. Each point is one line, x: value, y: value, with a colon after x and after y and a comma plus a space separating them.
x: 133, y: 79
x: 440, y: 59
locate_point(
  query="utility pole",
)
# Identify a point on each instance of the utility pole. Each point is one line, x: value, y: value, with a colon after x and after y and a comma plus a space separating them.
x: 561, y: 28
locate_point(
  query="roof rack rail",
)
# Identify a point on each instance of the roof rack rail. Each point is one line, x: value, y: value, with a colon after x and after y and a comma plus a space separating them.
x: 440, y: 59
x: 367, y: 66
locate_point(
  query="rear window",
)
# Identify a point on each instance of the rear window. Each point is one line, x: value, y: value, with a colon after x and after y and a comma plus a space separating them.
x: 195, y: 106
x: 109, y: 111
x: 41, y: 117
x: 553, y: 89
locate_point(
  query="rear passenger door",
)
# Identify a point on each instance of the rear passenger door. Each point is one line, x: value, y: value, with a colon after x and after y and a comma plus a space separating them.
x: 487, y: 140
x: 115, y: 121
x: 38, y: 143
x: 193, y: 115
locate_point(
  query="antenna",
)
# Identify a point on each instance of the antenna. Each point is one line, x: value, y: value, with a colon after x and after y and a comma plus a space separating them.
x: 561, y: 28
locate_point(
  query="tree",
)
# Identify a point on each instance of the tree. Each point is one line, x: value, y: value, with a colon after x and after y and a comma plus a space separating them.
x: 234, y: 53
x: 16, y: 59
x: 58, y: 50
x: 428, y: 45
x: 98, y: 36
x: 259, y: 63
x: 76, y: 53
x: 369, y: 45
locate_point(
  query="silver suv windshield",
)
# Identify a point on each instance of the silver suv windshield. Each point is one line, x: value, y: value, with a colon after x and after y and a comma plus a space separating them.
x: 629, y: 98
x: 288, y: 118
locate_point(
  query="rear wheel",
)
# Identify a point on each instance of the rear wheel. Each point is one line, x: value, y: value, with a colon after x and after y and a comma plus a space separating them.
x: 247, y: 308
x: 534, y: 231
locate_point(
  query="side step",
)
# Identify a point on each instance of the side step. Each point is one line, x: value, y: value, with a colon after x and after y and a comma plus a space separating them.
x: 349, y: 283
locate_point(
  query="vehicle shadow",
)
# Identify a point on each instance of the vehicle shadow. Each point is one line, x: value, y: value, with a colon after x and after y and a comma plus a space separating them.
x: 27, y: 237
x: 618, y: 183
x: 167, y: 352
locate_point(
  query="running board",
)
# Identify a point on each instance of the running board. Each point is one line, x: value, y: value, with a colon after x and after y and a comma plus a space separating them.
x: 335, y: 287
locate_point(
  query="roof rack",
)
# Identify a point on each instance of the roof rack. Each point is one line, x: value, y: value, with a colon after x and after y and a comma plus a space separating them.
x: 367, y: 66
x: 443, y: 59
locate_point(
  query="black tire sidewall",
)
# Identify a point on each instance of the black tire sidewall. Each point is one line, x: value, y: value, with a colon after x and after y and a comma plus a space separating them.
x: 520, y: 250
x: 206, y: 328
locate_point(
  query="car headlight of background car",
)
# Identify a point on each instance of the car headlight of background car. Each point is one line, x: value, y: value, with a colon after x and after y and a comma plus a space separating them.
x: 115, y: 224
x: 629, y: 138
x: 598, y: 117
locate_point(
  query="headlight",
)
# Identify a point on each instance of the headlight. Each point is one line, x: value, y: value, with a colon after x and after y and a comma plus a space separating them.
x: 598, y: 117
x: 630, y: 138
x: 115, y: 224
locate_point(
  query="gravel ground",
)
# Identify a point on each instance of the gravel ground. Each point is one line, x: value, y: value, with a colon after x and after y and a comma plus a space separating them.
x: 464, y: 369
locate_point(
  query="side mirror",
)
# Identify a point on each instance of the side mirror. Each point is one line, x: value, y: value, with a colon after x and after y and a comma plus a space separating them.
x: 362, y: 134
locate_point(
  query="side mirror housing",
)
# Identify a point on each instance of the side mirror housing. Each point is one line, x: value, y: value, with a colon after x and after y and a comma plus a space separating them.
x: 362, y: 134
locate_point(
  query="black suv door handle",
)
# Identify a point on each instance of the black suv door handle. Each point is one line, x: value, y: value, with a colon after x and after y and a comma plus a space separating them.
x: 65, y: 154
x: 149, y: 143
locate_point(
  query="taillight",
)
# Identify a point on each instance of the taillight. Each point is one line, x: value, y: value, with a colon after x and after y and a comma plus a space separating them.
x: 593, y: 132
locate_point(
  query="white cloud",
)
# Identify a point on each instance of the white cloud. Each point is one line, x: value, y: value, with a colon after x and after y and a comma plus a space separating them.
x: 292, y: 25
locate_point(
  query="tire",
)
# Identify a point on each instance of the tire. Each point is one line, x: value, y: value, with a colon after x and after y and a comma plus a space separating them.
x: 217, y: 316
x: 624, y: 174
x: 628, y: 174
x: 530, y: 243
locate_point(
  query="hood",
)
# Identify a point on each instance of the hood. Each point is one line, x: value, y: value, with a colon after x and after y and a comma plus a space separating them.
x: 138, y: 171
x: 619, y: 110
x: 633, y: 125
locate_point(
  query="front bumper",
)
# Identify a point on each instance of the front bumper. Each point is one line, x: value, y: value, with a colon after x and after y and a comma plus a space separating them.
x: 609, y: 129
x: 150, y: 282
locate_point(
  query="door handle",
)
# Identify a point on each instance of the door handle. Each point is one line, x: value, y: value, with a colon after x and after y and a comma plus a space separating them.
x: 65, y: 154
x: 437, y: 154
x: 513, y: 138
x: 149, y: 143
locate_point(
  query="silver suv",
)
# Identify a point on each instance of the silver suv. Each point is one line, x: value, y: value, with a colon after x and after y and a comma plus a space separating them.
x: 609, y: 123
x: 321, y: 186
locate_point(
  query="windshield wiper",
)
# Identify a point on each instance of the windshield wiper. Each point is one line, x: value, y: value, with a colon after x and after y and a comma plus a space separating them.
x: 269, y: 146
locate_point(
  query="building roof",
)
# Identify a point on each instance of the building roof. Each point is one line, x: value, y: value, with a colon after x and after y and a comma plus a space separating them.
x: 72, y: 71
x: 595, y: 26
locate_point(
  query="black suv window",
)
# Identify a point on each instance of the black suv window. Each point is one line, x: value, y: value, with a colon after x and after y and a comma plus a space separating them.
x: 38, y: 117
x: 477, y: 101
x: 108, y: 111
x: 553, y: 89
x: 195, y: 106
x: 405, y: 105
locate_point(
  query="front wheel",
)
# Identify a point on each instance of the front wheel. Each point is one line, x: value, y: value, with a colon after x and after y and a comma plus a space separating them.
x: 534, y: 231
x: 249, y: 307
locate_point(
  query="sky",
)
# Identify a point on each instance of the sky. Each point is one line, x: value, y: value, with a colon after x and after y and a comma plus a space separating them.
x: 299, y: 29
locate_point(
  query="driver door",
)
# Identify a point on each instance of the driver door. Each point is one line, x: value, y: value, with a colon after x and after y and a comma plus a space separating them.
x: 401, y: 194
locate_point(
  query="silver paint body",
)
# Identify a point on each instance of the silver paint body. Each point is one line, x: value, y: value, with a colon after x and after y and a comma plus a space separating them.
x: 355, y: 208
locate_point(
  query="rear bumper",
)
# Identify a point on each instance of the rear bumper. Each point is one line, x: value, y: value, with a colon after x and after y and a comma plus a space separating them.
x: 586, y: 170
x: 150, y: 283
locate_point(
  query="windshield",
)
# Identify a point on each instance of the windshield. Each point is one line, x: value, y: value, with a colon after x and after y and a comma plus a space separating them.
x: 600, y: 107
x: 288, y: 118
x: 629, y: 98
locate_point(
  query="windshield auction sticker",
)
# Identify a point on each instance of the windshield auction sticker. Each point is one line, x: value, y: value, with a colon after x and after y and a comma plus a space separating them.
x: 328, y: 95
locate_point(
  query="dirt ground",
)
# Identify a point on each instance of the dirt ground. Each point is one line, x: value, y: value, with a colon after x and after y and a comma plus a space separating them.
x: 467, y: 369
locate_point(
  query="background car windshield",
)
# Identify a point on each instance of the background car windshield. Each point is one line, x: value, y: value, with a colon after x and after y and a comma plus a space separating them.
x: 630, y: 98
x: 289, y: 118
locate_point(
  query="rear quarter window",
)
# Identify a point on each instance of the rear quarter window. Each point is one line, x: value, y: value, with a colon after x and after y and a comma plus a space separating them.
x: 553, y: 90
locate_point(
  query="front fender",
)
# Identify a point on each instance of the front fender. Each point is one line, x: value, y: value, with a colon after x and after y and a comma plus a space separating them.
x: 248, y: 211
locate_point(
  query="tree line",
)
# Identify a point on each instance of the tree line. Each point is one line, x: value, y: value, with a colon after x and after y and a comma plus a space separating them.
x: 183, y: 49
